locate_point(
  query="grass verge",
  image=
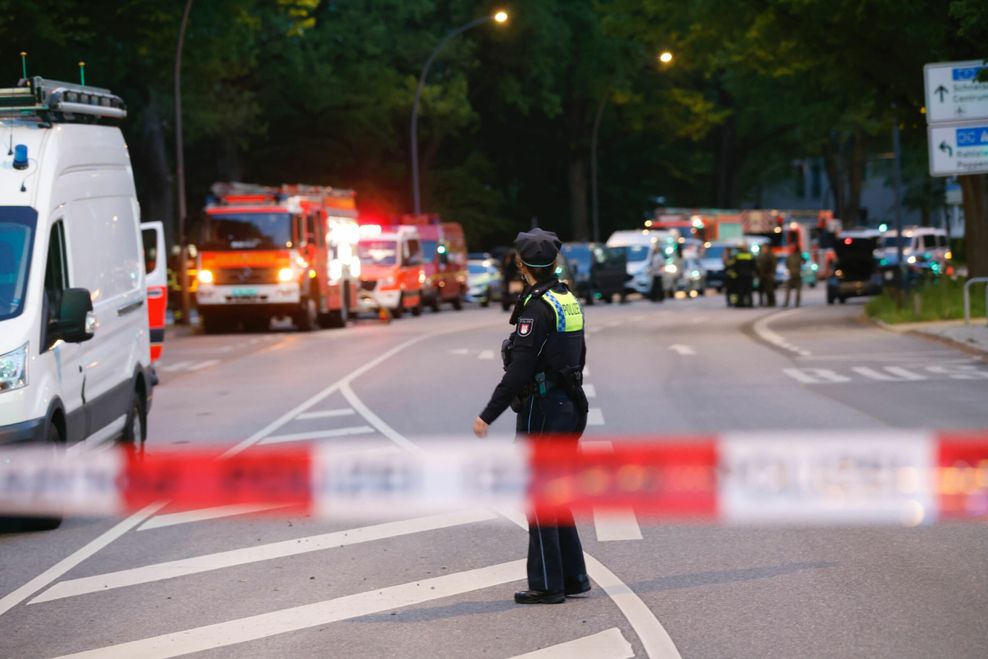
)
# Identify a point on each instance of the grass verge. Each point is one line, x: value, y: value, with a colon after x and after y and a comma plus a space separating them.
x: 940, y: 300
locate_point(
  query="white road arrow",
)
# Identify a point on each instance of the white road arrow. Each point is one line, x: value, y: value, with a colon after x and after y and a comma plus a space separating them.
x: 682, y: 350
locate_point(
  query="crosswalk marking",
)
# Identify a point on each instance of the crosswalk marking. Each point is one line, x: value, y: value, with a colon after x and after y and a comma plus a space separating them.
x: 256, y: 627
x: 814, y: 375
x: 893, y: 374
x: 224, y: 559
x: 590, y: 390
x: 595, y: 417
x: 915, y: 373
x: 609, y: 644
x: 319, y: 434
x: 203, y: 515
x: 325, y: 414
x: 612, y: 525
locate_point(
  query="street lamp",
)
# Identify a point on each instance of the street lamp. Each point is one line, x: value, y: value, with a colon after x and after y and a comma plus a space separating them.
x: 183, y: 271
x: 500, y: 17
x: 665, y: 57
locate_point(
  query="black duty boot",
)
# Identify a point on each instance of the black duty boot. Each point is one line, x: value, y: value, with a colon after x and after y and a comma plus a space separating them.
x: 577, y: 586
x: 539, y: 597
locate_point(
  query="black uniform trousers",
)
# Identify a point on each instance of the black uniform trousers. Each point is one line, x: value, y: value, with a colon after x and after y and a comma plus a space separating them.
x: 555, y: 554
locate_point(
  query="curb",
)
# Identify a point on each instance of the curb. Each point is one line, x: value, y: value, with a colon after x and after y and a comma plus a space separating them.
x: 963, y: 346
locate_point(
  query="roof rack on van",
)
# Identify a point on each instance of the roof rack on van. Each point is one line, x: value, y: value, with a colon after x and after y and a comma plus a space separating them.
x: 55, y: 101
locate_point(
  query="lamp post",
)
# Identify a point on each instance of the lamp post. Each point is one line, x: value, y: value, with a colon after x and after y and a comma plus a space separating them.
x: 183, y: 271
x: 499, y: 17
x: 665, y: 57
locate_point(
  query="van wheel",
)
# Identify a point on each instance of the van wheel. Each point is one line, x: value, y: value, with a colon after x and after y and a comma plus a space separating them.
x: 136, y: 426
x: 434, y: 304
x: 458, y: 303
x: 53, y: 440
x: 485, y: 302
x: 308, y: 318
x: 417, y: 309
x: 400, y: 309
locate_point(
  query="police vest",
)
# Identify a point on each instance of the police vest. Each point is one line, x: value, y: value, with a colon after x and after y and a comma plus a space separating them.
x: 564, y: 348
x: 569, y: 313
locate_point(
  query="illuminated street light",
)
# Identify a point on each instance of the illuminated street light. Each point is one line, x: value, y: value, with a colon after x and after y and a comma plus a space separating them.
x: 501, y: 17
x: 665, y: 57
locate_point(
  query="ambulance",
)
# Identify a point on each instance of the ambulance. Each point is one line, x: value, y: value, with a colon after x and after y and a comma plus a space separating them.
x: 74, y: 348
x: 392, y: 272
x: 444, y: 260
x: 277, y: 252
x: 156, y: 275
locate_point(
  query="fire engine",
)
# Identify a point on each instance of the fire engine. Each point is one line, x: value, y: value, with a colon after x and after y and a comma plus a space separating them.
x: 392, y: 267
x: 444, y: 260
x: 270, y: 252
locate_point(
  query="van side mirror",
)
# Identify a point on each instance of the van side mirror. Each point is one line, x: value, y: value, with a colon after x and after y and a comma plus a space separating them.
x: 76, y: 321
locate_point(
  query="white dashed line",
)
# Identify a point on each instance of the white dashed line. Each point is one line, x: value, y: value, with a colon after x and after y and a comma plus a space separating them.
x: 612, y: 525
x: 590, y: 390
x: 486, y: 354
x: 595, y: 417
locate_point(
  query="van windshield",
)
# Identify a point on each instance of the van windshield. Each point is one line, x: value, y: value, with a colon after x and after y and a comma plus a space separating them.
x: 636, y: 252
x: 378, y: 252
x: 229, y: 231
x: 894, y: 241
x: 16, y: 240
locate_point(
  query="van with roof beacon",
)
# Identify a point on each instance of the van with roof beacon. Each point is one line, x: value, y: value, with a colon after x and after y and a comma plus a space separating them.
x: 75, y: 360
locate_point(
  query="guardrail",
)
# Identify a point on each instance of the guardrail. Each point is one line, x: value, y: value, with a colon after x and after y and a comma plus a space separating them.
x: 967, y: 296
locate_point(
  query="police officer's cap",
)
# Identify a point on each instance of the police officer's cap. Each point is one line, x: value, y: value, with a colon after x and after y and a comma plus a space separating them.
x: 538, y: 248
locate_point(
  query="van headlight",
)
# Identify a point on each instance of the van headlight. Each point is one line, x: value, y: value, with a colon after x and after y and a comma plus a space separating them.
x: 13, y: 369
x: 286, y: 275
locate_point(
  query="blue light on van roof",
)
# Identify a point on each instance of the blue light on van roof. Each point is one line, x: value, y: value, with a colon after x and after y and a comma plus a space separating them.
x: 20, y: 156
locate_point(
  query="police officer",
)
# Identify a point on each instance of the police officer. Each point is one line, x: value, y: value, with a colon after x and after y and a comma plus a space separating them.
x: 543, y: 384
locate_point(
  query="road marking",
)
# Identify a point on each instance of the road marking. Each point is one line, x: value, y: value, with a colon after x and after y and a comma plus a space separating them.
x: 486, y: 354
x: 762, y: 330
x: 655, y: 639
x: 697, y: 320
x: 586, y: 371
x: 815, y: 375
x: 893, y: 374
x: 590, y: 390
x: 683, y: 349
x: 204, y: 514
x: 188, y: 365
x: 247, y: 555
x: 325, y: 414
x: 459, y: 351
x: 612, y: 525
x: 14, y: 598
x: 609, y: 644
x: 256, y: 627
x: 595, y: 417
x: 319, y: 434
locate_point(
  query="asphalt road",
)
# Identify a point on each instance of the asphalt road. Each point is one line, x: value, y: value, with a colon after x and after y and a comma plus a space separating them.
x: 224, y: 584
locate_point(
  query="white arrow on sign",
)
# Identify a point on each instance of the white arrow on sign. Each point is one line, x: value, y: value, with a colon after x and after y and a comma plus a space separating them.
x: 953, y: 92
x: 682, y: 350
x: 960, y: 148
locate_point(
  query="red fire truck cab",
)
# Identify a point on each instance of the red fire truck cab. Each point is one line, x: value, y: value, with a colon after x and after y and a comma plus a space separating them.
x: 444, y: 260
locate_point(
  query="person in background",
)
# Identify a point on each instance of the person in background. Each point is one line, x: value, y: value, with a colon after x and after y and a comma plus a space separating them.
x: 794, y: 264
x: 766, y: 264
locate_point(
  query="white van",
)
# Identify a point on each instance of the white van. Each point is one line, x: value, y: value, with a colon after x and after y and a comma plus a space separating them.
x: 651, y: 261
x: 925, y: 248
x: 74, y: 351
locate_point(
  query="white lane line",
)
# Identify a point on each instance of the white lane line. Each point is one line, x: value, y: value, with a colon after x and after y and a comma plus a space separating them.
x: 205, y: 364
x: 682, y: 349
x: 319, y: 434
x: 14, y: 598
x: 325, y: 414
x: 459, y: 351
x: 225, y: 559
x: 331, y: 389
x: 486, y: 354
x: 590, y: 390
x: 205, y: 514
x: 595, y: 417
x: 296, y: 618
x: 762, y: 330
x: 609, y: 644
x: 655, y: 639
x: 612, y: 525
x: 173, y: 367
x: 815, y: 375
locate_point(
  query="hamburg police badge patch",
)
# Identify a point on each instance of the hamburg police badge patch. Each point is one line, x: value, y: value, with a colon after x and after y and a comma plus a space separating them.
x: 525, y: 326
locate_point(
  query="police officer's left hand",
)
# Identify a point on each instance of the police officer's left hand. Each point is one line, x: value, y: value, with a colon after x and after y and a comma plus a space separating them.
x: 479, y: 428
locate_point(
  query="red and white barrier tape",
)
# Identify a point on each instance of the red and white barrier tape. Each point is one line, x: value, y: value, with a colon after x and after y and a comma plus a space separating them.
x: 789, y: 478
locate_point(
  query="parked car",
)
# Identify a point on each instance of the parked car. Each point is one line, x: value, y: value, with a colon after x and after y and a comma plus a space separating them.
x: 712, y: 261
x: 923, y: 248
x: 483, y: 280
x: 693, y: 278
x: 646, y: 254
x: 856, y: 272
x: 598, y: 271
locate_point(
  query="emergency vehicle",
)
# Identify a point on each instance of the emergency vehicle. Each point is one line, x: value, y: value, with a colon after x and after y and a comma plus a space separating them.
x: 269, y: 252
x: 444, y: 260
x: 156, y: 276
x: 392, y: 269
x: 74, y: 352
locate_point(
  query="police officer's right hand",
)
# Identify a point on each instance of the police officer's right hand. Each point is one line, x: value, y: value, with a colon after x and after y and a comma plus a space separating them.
x: 480, y: 427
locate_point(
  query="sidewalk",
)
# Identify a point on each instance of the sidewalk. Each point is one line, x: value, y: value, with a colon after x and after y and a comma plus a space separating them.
x: 971, y: 337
